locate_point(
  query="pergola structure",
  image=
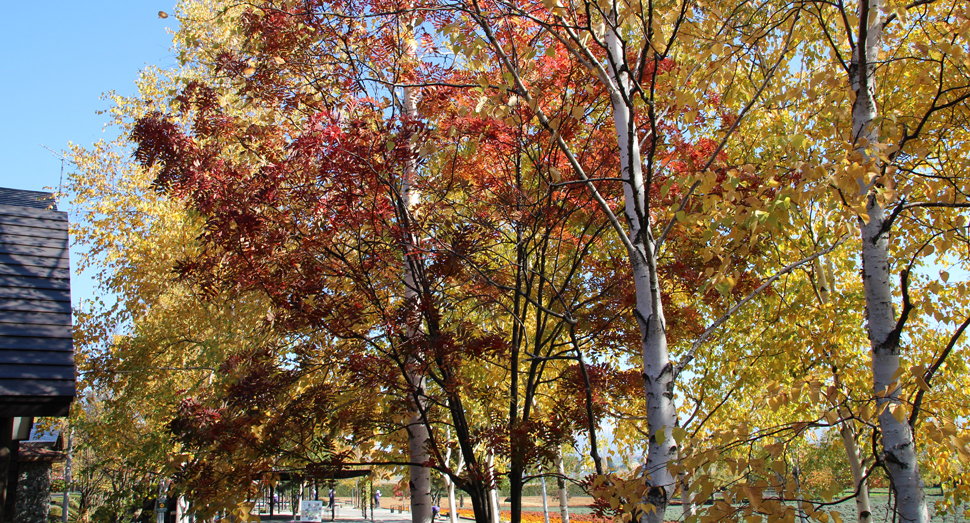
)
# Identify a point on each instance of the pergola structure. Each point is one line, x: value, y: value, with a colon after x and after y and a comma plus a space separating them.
x: 37, y: 375
x: 318, y: 477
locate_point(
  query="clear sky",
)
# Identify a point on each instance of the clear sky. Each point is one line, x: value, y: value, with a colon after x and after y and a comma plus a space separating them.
x: 57, y: 59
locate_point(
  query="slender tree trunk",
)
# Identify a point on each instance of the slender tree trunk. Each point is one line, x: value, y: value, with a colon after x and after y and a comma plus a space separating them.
x: 826, y: 283
x: 545, y: 502
x: 67, y: 477
x: 420, y: 476
x: 452, y: 507
x: 863, y: 510
x: 515, y: 485
x: 493, y: 489
x: 418, y: 435
x: 658, y: 376
x: 475, y: 485
x: 449, y: 484
x: 563, y: 493
x: 899, y: 447
x: 686, y: 498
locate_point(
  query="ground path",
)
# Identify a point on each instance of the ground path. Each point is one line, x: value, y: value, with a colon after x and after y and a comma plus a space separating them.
x: 348, y: 514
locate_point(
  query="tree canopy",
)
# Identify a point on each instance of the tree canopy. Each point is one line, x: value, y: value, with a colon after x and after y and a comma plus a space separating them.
x: 453, y: 237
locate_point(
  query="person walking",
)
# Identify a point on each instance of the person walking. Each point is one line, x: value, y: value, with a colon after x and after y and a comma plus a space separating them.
x: 333, y: 505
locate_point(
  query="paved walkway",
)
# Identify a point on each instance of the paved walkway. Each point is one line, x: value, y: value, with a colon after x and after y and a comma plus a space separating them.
x: 350, y: 514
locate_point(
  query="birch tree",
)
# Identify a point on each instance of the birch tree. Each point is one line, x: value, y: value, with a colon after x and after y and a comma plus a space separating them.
x: 636, y: 61
x: 902, y: 112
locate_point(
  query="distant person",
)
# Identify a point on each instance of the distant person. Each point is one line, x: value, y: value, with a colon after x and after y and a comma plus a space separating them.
x: 377, y: 499
x: 332, y: 496
x: 434, y: 512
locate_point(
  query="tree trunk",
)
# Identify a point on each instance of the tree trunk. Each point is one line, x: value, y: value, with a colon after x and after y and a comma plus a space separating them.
x: 515, y: 486
x: 658, y: 376
x: 452, y: 507
x: 420, y: 476
x: 859, y: 485
x: 545, y: 502
x: 563, y: 493
x: 418, y: 435
x: 66, y: 504
x: 899, y: 447
x: 493, y: 490
x: 826, y: 285
x: 449, y: 484
x: 686, y: 498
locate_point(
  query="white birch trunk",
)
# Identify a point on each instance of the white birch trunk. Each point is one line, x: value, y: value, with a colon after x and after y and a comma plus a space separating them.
x: 545, y: 501
x: 299, y: 500
x: 181, y: 510
x: 658, y: 378
x: 452, y: 506
x: 449, y: 484
x: 686, y: 498
x: 863, y: 509
x: 563, y: 493
x: 493, y: 492
x: 418, y: 436
x: 826, y: 283
x: 899, y: 447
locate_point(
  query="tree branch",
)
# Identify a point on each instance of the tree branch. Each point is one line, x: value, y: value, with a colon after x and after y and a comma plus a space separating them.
x: 914, y: 416
x: 727, y: 315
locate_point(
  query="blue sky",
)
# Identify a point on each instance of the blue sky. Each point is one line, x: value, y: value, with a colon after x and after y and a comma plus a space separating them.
x: 58, y: 59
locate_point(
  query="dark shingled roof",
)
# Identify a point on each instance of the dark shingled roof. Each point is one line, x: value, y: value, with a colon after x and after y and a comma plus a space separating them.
x: 32, y: 199
x: 36, y: 345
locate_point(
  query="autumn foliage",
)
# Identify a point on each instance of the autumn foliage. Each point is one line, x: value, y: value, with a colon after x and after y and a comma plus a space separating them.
x: 520, y: 227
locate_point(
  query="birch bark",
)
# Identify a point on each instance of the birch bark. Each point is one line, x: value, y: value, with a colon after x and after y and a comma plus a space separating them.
x: 563, y: 494
x: 493, y: 491
x: 452, y: 507
x: 899, y: 448
x: 658, y: 376
x: 826, y: 283
x: 418, y: 435
x: 545, y: 501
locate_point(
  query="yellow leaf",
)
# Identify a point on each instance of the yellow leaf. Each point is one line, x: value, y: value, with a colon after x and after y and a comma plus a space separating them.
x: 556, y: 175
x: 679, y: 434
x: 778, y: 466
x: 162, y: 14
x: 918, y: 372
x: 899, y: 412
x: 899, y: 372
